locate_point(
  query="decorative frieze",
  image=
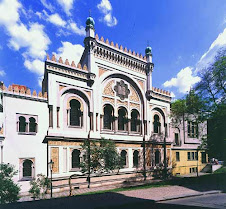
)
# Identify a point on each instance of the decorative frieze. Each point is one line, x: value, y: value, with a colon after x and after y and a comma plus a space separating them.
x: 128, y: 145
x: 133, y: 96
x: 122, y: 90
x: 141, y: 83
x: 119, y: 102
x: 108, y: 89
x: 64, y: 143
x: 102, y: 71
x: 134, y: 105
x: 110, y: 100
x: 119, y: 55
x: 55, y: 159
x: 19, y: 90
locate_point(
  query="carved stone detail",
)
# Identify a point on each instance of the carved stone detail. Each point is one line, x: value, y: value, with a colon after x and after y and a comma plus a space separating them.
x: 125, y: 103
x: 108, y: 89
x: 133, y: 105
x: 55, y: 159
x: 134, y: 96
x: 102, y: 71
x: 110, y: 100
x: 141, y: 83
x: 61, y: 87
x: 122, y: 90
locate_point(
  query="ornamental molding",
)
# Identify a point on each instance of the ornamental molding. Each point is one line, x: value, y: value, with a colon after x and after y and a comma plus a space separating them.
x: 108, y: 89
x: 119, y: 102
x: 134, y: 96
x: 108, y: 100
x: 133, y: 105
x: 122, y: 90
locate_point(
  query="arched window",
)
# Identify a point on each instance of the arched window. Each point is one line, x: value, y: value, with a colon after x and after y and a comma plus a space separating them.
x: 135, y: 122
x: 22, y: 124
x: 75, y: 113
x: 27, y: 168
x: 122, y: 119
x: 135, y: 158
x: 123, y: 157
x: 157, y: 157
x: 32, y: 124
x: 108, y: 117
x: 157, y: 124
x: 75, y: 158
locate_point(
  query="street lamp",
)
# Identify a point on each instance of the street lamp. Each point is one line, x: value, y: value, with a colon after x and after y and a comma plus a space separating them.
x: 51, y: 172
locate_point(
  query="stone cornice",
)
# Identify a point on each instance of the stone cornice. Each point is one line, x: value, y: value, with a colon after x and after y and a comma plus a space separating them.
x: 69, y: 71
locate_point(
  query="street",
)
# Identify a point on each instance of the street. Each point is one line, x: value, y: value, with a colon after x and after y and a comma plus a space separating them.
x: 140, y: 198
x: 211, y: 201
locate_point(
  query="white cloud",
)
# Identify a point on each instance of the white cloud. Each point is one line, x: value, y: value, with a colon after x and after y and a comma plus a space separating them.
x: 208, y: 57
x: 31, y: 38
x: 40, y: 78
x: 48, y: 6
x: 2, y: 73
x: 104, y: 6
x: 106, y: 9
x: 68, y: 26
x: 67, y: 5
x: 35, y: 66
x: 184, y: 80
x: 9, y: 12
x: 34, y: 39
x: 56, y: 20
x: 172, y: 94
x: 80, y: 31
x: 110, y: 20
x: 72, y: 52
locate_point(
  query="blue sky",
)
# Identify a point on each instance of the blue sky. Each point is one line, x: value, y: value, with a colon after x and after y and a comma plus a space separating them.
x: 184, y: 35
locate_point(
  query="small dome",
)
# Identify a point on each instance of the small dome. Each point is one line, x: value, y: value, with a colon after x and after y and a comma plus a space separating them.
x: 148, y: 50
x: 90, y: 22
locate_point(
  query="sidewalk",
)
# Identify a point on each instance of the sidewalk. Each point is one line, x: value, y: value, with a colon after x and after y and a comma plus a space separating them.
x: 161, y: 193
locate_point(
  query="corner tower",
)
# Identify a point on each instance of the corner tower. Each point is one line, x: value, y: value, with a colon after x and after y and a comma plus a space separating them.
x: 90, y: 30
x: 149, y: 67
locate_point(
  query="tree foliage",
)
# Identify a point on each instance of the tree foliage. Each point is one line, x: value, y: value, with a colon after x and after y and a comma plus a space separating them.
x: 212, y: 90
x: 9, y: 191
x: 212, y: 87
x: 103, y: 156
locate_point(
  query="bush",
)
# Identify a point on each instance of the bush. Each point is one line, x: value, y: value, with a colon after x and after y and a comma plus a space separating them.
x: 9, y: 191
x: 39, y: 186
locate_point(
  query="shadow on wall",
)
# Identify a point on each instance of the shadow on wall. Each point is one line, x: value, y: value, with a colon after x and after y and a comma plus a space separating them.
x: 96, y: 201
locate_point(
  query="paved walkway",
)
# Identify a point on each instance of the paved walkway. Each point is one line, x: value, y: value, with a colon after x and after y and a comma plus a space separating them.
x: 141, y: 198
x: 156, y: 193
x: 92, y: 189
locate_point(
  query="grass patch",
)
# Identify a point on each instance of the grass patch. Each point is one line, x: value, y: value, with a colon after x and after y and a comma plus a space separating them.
x: 146, y: 186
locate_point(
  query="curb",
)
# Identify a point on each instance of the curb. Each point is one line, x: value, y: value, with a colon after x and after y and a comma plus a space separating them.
x: 189, y: 195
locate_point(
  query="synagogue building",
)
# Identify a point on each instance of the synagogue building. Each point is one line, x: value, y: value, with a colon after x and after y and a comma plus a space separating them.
x: 108, y: 94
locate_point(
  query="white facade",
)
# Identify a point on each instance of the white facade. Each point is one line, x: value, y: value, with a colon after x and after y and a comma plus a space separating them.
x: 107, y: 76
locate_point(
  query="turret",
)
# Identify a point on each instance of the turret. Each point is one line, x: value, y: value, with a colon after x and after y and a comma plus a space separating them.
x: 149, y: 67
x: 90, y: 31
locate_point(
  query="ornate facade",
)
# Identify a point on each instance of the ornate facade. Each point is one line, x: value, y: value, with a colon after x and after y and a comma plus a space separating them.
x: 108, y: 94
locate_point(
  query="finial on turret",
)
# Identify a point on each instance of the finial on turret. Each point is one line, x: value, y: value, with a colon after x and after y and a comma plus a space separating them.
x: 90, y: 23
x: 148, y: 53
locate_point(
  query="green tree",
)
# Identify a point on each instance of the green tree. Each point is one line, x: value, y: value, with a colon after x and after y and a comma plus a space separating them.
x: 212, y: 89
x: 103, y: 156
x: 9, y: 191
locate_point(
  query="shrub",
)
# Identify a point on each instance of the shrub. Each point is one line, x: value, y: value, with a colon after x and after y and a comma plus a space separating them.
x: 39, y: 186
x: 9, y: 191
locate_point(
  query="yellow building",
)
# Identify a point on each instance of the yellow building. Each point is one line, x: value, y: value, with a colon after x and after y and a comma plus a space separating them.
x: 187, y: 157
